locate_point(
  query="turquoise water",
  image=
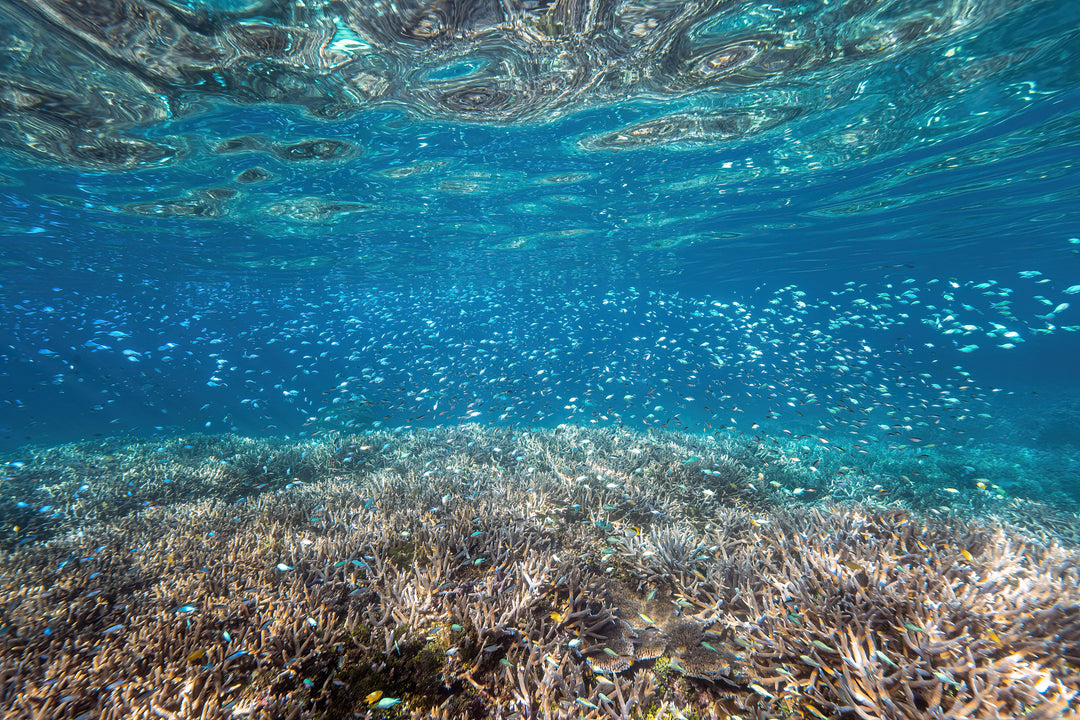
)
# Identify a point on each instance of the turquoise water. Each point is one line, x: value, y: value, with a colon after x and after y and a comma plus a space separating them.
x: 841, y: 234
x: 227, y: 216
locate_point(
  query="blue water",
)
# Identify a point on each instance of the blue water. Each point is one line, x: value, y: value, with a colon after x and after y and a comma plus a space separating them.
x: 831, y: 215
x: 539, y: 358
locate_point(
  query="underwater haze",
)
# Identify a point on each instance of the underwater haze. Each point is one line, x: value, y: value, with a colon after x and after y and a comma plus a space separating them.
x: 246, y: 216
x: 597, y: 287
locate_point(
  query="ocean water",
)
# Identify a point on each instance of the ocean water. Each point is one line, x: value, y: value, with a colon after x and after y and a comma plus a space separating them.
x: 258, y: 254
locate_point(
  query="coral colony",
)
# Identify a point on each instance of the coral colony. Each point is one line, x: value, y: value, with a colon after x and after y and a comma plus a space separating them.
x: 565, y: 573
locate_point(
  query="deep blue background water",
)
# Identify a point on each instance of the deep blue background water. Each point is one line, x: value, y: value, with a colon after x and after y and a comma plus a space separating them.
x: 443, y: 253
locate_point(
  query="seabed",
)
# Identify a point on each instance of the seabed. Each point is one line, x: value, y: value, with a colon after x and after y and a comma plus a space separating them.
x: 467, y: 572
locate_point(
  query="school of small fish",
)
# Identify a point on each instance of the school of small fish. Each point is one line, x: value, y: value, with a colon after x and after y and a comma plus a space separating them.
x: 861, y: 357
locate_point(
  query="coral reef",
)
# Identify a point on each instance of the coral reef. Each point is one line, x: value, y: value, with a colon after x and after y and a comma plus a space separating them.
x: 474, y: 573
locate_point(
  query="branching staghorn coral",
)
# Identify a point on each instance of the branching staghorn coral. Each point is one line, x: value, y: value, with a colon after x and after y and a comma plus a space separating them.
x: 427, y: 575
